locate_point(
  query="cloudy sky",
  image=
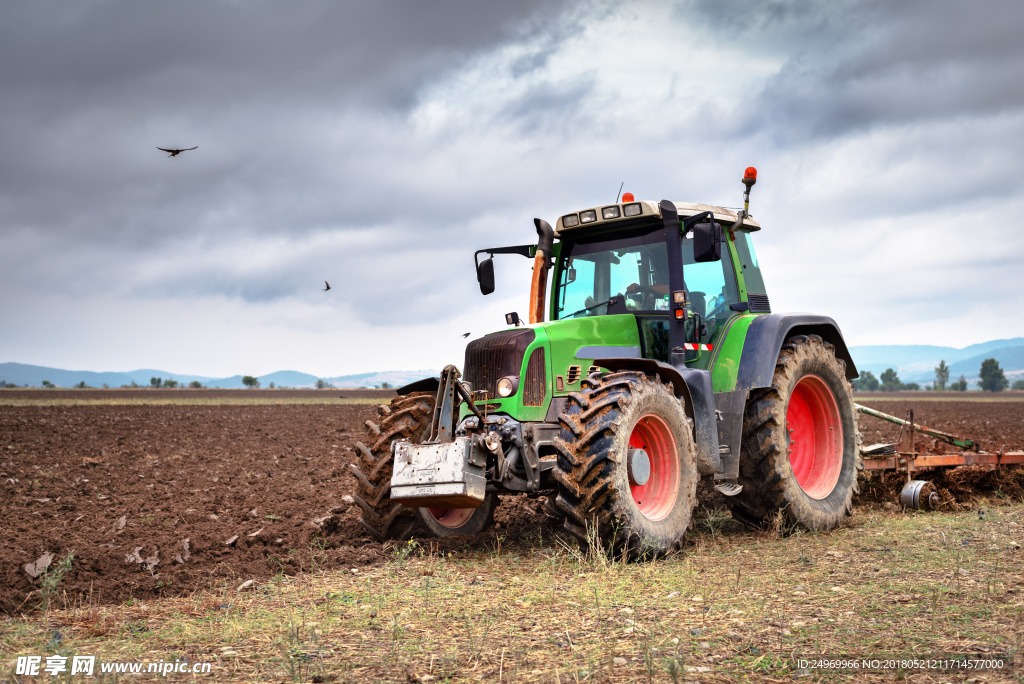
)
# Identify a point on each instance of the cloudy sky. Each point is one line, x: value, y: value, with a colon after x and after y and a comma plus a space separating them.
x: 376, y: 144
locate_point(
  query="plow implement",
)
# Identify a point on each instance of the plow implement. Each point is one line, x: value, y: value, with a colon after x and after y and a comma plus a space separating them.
x: 921, y: 494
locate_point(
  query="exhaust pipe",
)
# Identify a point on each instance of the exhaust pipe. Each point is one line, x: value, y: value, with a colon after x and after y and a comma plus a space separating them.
x: 541, y: 264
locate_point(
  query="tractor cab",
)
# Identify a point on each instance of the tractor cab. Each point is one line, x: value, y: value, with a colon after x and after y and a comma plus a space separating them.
x: 619, y: 259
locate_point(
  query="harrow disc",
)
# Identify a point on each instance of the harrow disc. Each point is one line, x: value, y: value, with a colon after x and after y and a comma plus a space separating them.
x: 919, y: 495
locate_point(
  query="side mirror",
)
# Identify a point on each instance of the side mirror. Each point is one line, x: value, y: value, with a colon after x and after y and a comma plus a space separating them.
x: 485, y: 275
x: 707, y: 242
x: 512, y: 318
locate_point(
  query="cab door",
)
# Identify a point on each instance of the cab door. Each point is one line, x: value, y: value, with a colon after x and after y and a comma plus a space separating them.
x: 710, y: 291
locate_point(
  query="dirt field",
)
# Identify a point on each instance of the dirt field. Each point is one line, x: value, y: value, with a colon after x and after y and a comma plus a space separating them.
x: 996, y: 421
x: 161, y: 500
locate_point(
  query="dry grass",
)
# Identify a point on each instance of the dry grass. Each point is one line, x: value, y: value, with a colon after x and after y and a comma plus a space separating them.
x: 737, y: 603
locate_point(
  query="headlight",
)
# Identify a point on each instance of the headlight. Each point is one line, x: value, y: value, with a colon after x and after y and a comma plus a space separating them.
x: 610, y: 213
x: 507, y: 386
x: 631, y: 209
x: 570, y: 221
x: 587, y: 216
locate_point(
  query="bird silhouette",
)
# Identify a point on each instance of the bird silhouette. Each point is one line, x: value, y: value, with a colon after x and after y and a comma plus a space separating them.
x: 464, y: 335
x: 175, y: 153
x: 327, y: 286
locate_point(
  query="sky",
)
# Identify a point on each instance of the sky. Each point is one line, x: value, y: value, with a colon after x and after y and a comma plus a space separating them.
x: 377, y: 144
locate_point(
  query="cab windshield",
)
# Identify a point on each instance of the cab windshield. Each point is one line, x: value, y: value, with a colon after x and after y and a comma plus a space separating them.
x: 635, y: 269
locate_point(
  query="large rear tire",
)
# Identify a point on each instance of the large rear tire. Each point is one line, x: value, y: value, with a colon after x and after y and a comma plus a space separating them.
x: 635, y: 504
x: 407, y: 417
x: 801, y: 446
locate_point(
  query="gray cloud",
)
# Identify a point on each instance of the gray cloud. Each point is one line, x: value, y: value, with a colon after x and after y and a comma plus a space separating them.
x: 378, y: 144
x: 854, y: 66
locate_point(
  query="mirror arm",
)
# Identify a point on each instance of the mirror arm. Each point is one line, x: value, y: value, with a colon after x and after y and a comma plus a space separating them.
x: 525, y: 250
x: 691, y: 221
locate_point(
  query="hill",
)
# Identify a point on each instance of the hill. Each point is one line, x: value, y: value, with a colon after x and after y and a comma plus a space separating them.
x: 23, y: 374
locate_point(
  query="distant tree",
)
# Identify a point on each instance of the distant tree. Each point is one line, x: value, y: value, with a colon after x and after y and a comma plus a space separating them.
x: 81, y: 385
x: 106, y: 386
x: 271, y: 385
x: 155, y: 382
x: 910, y: 386
x: 250, y: 381
x: 941, y: 375
x: 1017, y: 385
x: 169, y: 383
x: 134, y: 385
x: 385, y: 385
x: 992, y: 377
x: 321, y: 383
x: 890, y: 380
x: 866, y: 382
x: 48, y: 385
x: 959, y: 385
x: 195, y: 384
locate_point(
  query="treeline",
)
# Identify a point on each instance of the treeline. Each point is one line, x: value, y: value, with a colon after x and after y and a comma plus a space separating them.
x: 990, y: 379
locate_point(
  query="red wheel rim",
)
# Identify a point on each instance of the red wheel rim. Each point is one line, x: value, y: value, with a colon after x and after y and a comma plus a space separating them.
x: 451, y: 518
x: 658, y: 495
x: 814, y: 437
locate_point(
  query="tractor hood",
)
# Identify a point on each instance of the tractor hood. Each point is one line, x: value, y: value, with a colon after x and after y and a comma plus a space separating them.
x: 545, y: 361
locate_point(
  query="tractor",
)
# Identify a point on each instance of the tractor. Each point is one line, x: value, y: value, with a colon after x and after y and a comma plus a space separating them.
x: 659, y: 362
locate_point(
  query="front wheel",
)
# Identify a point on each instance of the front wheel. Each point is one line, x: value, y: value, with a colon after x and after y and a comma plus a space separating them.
x: 801, y: 446
x: 627, y: 465
x: 406, y: 417
x: 448, y: 522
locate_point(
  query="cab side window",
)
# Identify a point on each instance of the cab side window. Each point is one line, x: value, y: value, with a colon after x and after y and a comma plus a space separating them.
x: 710, y: 289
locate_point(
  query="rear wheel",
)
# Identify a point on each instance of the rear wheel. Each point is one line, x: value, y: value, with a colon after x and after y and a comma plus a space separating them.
x: 407, y: 417
x: 627, y: 466
x: 448, y: 522
x: 801, y: 446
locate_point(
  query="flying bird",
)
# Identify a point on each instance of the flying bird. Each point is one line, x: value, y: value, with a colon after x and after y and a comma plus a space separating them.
x: 327, y: 286
x: 175, y: 153
x: 464, y: 335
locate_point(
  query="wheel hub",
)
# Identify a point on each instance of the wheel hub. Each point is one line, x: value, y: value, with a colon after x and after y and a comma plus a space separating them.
x: 639, y: 467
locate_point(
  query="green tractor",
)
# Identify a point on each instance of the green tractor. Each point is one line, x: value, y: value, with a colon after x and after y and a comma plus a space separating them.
x: 660, y: 363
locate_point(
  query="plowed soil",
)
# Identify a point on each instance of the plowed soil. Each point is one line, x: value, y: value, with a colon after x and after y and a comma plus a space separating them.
x: 162, y: 500
x: 995, y: 424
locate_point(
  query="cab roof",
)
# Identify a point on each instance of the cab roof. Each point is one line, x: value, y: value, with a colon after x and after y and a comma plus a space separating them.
x: 647, y: 210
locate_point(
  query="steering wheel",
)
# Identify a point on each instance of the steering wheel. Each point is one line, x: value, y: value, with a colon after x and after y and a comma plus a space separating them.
x: 644, y: 295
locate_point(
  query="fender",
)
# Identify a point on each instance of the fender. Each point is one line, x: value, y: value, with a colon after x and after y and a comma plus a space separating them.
x: 693, y: 386
x: 765, y: 338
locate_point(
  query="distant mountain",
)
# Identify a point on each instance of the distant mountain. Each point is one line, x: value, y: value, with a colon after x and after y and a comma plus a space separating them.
x: 33, y: 376
x: 393, y: 378
x: 916, y: 363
